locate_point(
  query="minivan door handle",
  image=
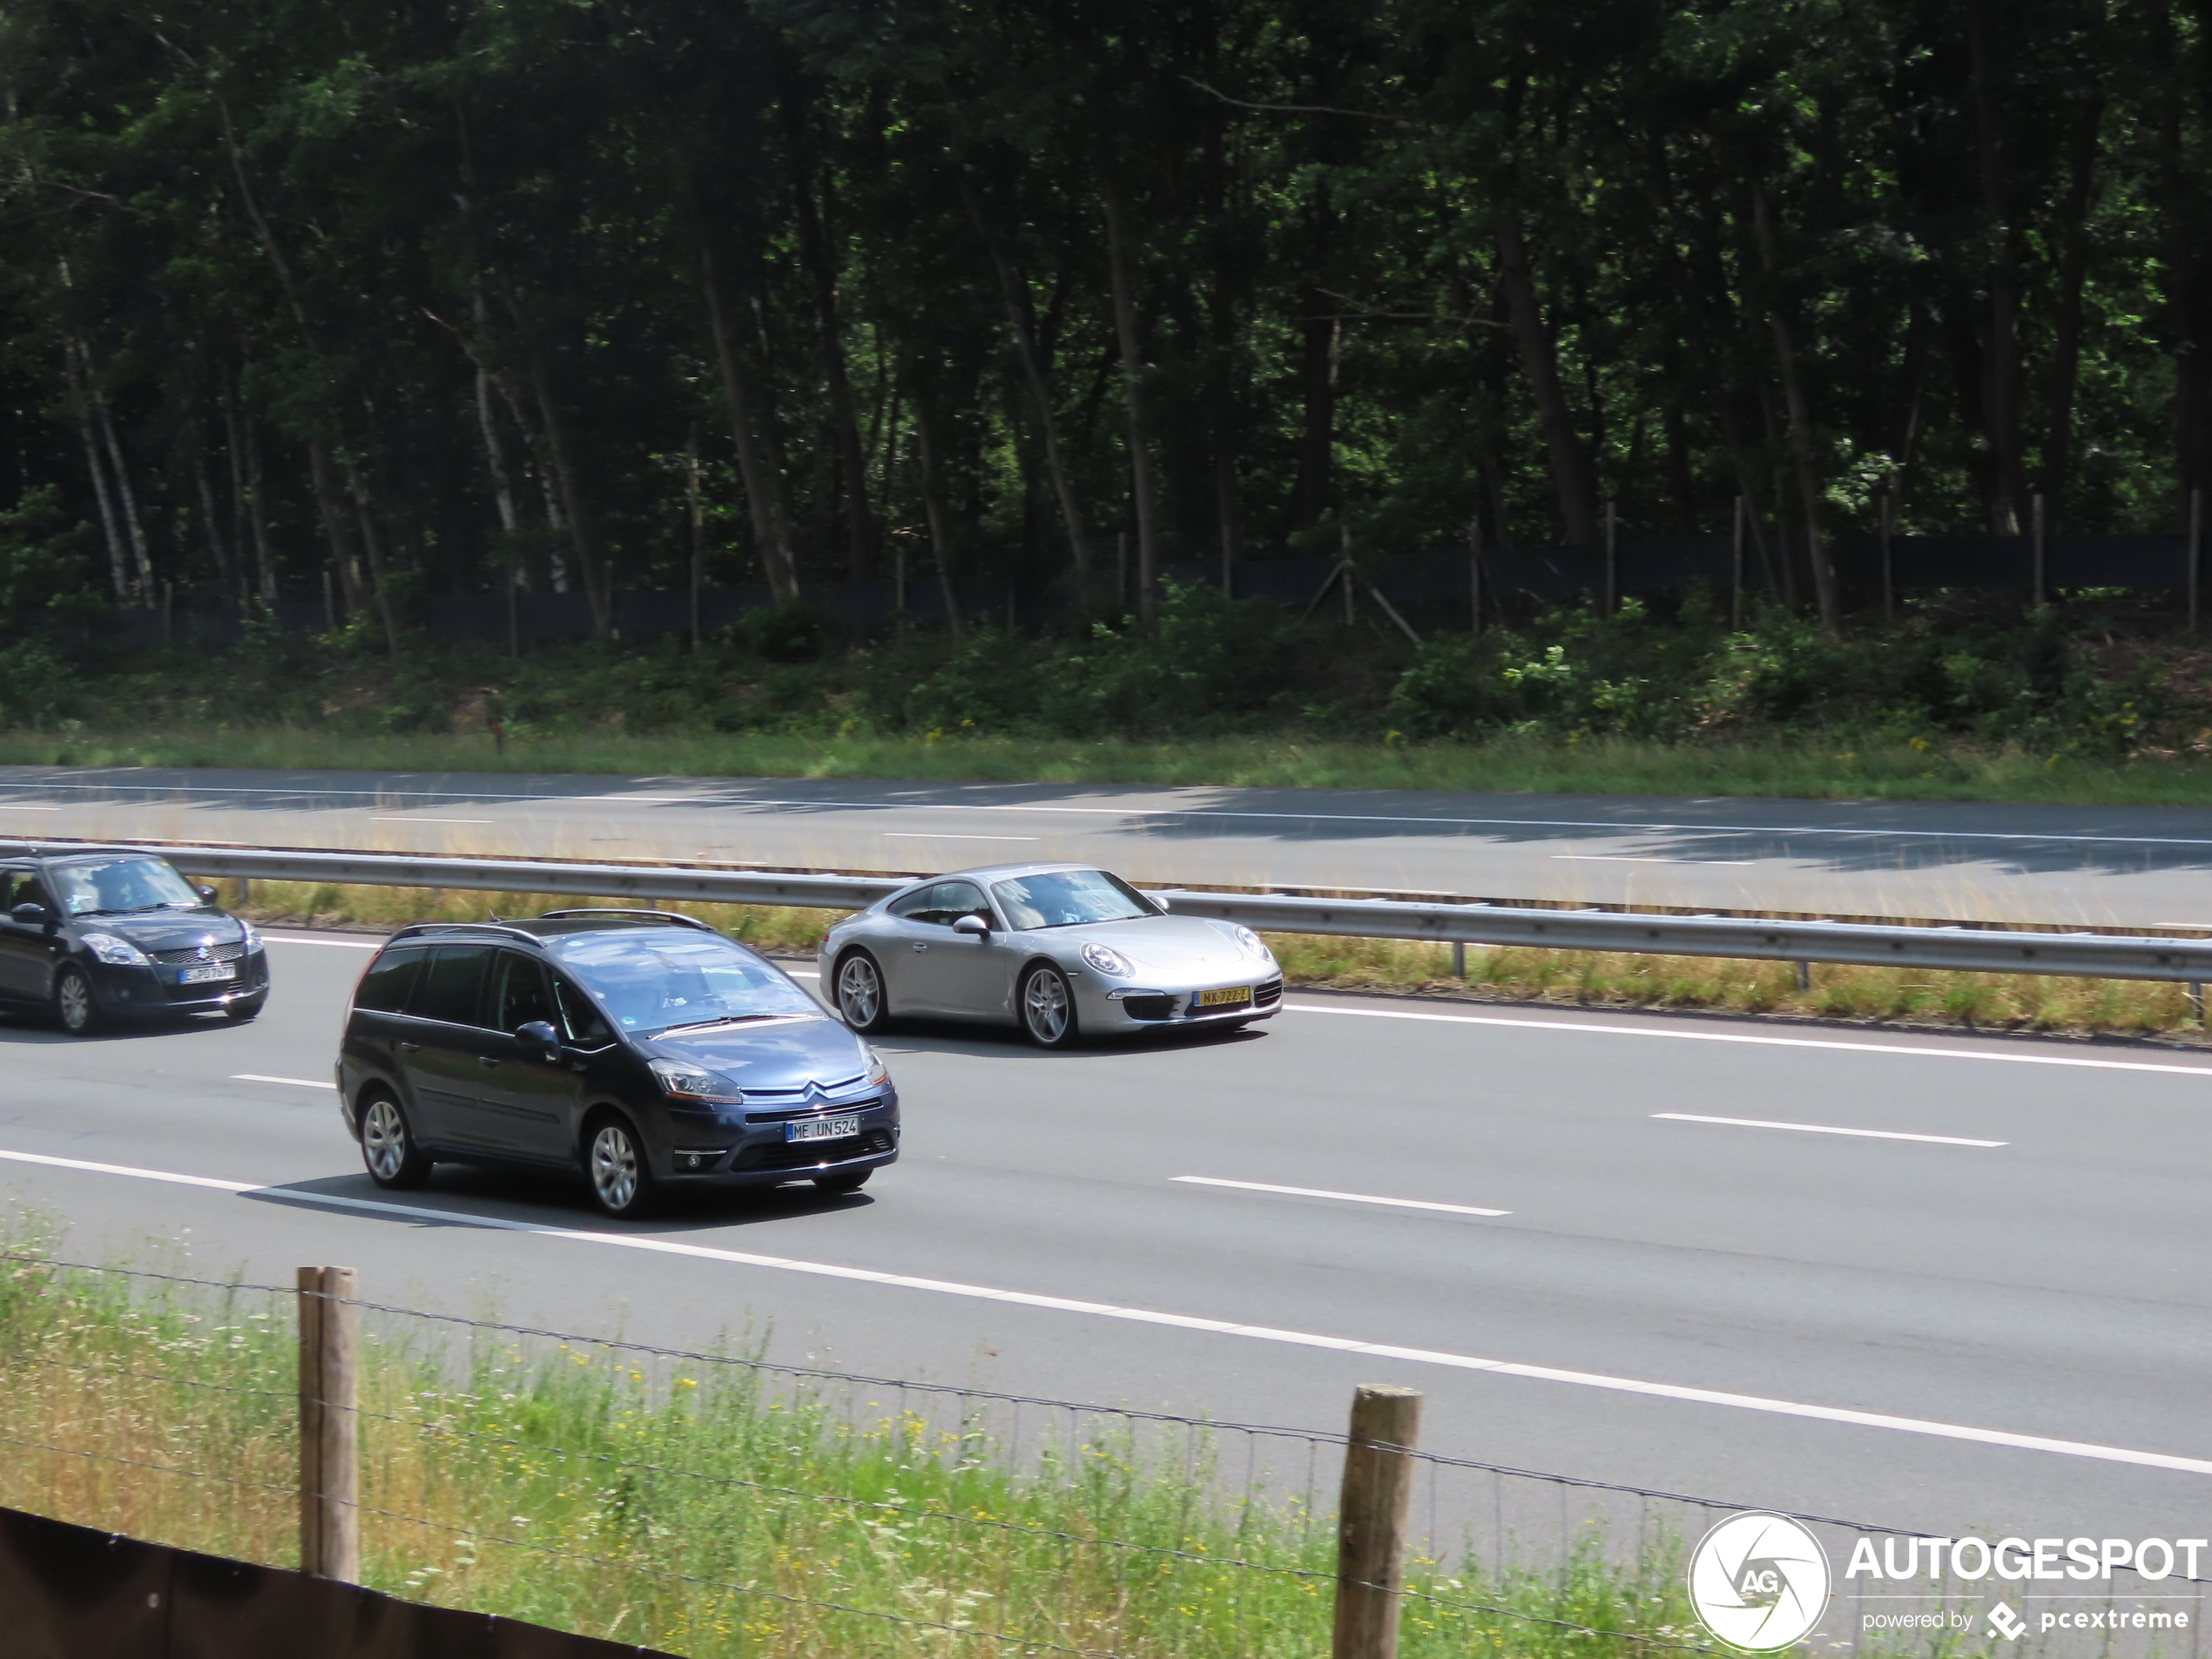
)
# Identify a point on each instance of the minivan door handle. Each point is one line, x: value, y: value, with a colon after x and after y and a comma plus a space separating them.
x: 409, y: 1048
x: 486, y: 1061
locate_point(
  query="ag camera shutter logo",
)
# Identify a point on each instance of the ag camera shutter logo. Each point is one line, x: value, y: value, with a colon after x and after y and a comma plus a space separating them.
x: 1759, y: 1581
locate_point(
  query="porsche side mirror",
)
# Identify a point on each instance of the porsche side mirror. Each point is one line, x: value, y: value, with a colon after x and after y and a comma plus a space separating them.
x: 974, y: 926
x: 540, y: 1033
x: 30, y: 913
x: 1161, y: 900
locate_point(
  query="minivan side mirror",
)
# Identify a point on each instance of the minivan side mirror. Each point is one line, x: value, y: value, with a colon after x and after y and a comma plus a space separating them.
x: 31, y: 914
x: 539, y: 1033
x: 972, y: 925
x: 207, y: 895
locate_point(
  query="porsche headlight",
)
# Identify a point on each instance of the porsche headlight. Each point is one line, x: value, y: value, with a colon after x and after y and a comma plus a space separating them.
x: 1251, y: 941
x: 1108, y: 961
x: 116, y: 952
x: 681, y: 1080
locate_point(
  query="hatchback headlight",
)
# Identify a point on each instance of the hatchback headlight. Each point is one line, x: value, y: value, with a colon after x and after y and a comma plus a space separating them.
x: 253, y: 940
x: 682, y: 1082
x: 1251, y: 941
x: 116, y: 952
x: 1108, y: 961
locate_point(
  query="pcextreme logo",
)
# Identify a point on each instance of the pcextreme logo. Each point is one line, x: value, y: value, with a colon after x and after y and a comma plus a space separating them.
x: 1759, y: 1581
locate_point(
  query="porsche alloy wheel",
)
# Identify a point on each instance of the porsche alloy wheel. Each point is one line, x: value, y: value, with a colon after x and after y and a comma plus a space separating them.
x: 859, y: 992
x: 1048, y: 1008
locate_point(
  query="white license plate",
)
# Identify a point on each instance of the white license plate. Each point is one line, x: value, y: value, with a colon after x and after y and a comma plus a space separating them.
x: 209, y: 975
x: 822, y: 1129
x: 1227, y: 997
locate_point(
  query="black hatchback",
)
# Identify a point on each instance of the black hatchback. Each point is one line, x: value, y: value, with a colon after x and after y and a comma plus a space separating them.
x: 95, y: 937
x: 644, y: 1050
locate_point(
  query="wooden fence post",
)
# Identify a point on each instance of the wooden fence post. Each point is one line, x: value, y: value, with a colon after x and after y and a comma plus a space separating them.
x: 1371, y: 1520
x: 329, y: 1424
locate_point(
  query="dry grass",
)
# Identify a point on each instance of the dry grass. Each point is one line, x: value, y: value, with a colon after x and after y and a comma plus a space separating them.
x: 1588, y: 979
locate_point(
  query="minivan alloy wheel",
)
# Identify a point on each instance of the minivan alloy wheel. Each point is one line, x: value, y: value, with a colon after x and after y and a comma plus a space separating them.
x: 618, y: 1176
x: 383, y: 1140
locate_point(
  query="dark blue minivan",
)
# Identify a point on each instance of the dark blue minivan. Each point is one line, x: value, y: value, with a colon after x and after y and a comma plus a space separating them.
x: 641, y: 1049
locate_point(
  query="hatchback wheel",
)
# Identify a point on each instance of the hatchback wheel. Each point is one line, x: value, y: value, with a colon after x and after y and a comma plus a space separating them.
x: 859, y: 992
x: 388, y: 1146
x: 74, y: 1008
x: 622, y: 1182
x: 1048, y: 1008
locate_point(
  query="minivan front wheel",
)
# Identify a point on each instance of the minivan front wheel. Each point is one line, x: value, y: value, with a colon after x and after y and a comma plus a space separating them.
x: 622, y: 1182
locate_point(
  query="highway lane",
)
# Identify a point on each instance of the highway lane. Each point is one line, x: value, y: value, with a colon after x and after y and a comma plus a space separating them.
x: 2047, y: 1285
x: 2092, y: 866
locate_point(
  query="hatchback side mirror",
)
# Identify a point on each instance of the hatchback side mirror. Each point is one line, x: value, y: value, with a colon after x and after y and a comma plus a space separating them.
x: 540, y: 1033
x: 31, y: 914
x: 972, y: 925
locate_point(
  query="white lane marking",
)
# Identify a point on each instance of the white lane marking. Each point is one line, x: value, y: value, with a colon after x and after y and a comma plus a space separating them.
x: 297, y: 1082
x: 726, y: 802
x: 803, y: 973
x: 1623, y: 858
x: 413, y: 817
x: 1825, y: 1129
x: 16, y: 806
x: 342, y: 944
x: 1349, y: 1198
x: 933, y: 835
x: 1174, y: 1321
x: 1765, y: 1042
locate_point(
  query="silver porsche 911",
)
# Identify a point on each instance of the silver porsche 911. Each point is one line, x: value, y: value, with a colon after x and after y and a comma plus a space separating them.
x: 1060, y: 950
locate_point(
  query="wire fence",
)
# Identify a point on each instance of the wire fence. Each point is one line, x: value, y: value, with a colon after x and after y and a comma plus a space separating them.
x: 717, y: 1503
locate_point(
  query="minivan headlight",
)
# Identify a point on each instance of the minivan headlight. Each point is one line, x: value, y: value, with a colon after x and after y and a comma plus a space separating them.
x: 680, y: 1081
x: 116, y: 952
x: 877, y: 1072
x: 1108, y: 961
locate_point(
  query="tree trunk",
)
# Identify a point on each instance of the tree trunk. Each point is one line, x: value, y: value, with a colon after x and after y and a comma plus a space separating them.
x: 333, y: 512
x: 379, y: 577
x: 764, y: 492
x: 1020, y: 316
x: 1574, y: 480
x: 2001, y: 359
x: 1140, y: 454
x: 80, y: 396
x: 230, y: 580
x: 933, y: 507
x: 2074, y: 270
x: 589, y: 564
x: 1800, y: 419
x: 851, y: 459
x: 1321, y: 349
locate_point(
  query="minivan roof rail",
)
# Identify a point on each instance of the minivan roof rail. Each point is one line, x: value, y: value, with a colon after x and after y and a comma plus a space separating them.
x: 616, y: 910
x: 425, y: 929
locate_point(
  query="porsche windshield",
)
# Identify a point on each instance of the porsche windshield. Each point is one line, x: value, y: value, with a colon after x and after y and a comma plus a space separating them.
x: 121, y: 885
x: 650, y: 979
x: 1069, y: 898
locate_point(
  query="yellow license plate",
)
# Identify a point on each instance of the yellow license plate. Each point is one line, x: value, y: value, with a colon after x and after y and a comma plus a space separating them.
x: 1226, y: 998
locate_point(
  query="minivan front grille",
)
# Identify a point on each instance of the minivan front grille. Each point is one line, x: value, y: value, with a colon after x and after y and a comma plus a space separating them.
x: 808, y: 1154
x: 815, y: 1111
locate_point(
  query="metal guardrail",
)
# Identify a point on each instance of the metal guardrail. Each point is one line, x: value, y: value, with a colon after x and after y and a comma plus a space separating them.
x: 1960, y: 949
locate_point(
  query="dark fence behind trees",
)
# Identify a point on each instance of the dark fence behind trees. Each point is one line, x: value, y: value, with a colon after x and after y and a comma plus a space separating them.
x: 2153, y: 569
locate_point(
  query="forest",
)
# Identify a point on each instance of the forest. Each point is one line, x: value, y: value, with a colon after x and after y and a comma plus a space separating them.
x: 394, y: 299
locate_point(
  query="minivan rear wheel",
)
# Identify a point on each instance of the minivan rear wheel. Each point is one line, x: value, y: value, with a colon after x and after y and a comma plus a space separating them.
x: 388, y: 1148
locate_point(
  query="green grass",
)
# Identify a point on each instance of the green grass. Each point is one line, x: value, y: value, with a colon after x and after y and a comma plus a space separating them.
x: 1809, y: 765
x: 715, y: 1509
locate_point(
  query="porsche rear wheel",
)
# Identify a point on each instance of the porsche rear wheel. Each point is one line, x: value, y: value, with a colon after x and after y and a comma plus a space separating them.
x: 1048, y: 1008
x: 859, y: 992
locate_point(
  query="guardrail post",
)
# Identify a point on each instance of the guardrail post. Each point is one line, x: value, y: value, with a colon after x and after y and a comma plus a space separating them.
x: 1804, y: 976
x: 2196, y: 1000
x: 1371, y: 1520
x: 329, y: 1424
x: 1459, y: 959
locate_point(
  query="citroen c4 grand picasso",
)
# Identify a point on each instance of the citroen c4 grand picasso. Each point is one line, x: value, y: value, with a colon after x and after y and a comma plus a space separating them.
x: 644, y: 1050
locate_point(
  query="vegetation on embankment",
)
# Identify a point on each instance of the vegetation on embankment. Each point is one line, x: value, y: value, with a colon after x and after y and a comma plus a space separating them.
x: 2079, y: 703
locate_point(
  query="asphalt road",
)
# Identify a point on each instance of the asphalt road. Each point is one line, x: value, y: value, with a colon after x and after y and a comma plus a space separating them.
x: 1902, y: 1325
x: 2090, y: 867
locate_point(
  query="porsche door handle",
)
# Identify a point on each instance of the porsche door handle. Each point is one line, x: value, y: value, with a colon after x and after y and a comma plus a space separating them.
x: 919, y: 948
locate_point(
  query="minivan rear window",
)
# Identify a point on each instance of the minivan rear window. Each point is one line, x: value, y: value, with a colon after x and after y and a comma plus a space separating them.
x: 383, y: 989
x: 452, y: 989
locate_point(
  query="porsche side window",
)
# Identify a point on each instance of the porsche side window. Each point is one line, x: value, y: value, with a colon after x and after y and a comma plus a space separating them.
x: 956, y: 898
x: 912, y: 907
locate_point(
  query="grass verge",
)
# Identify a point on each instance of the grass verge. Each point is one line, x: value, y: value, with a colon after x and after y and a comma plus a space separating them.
x: 1585, y: 979
x: 1815, y: 765
x: 699, y: 1510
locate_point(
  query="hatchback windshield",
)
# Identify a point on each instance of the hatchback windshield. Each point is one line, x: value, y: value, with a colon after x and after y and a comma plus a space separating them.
x: 120, y: 885
x: 1065, y: 898
x: 650, y: 979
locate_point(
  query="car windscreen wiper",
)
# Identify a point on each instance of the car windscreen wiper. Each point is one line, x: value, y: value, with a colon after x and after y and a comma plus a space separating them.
x: 723, y: 1019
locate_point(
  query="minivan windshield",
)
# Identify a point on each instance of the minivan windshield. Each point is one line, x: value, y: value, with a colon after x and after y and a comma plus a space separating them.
x: 1066, y: 898
x: 120, y: 885
x: 652, y: 979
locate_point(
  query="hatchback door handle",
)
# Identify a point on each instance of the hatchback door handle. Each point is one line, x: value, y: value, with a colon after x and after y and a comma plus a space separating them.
x: 486, y: 1059
x: 409, y: 1048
